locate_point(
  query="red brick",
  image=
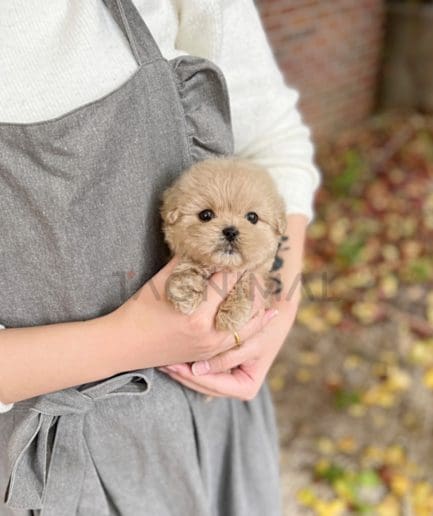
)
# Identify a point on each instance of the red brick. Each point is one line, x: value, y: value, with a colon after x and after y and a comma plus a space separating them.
x: 330, y: 52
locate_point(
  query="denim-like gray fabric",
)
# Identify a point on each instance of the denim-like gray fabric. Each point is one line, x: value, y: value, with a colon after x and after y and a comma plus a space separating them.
x: 80, y: 233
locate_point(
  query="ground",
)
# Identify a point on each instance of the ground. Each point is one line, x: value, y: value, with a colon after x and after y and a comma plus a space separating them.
x: 353, y: 385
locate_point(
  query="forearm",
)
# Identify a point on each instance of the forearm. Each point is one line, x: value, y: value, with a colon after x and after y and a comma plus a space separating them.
x: 290, y: 261
x: 48, y: 358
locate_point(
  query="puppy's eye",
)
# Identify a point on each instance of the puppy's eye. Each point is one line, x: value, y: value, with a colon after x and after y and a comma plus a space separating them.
x: 206, y: 215
x: 252, y: 217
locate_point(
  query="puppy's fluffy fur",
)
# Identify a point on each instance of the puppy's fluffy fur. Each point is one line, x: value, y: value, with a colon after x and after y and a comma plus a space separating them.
x: 224, y: 192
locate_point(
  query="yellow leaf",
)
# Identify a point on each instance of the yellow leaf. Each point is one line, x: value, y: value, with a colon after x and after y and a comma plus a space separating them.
x: 277, y: 383
x: 303, y: 375
x: 310, y: 317
x: 321, y: 466
x: 317, y: 230
x: 352, y: 362
x: 344, y: 490
x: 357, y: 410
x: 398, y: 380
x: 306, y: 497
x: 380, y: 396
x: 400, y: 485
x: 325, y: 446
x: 421, y: 498
x: 347, y: 445
x: 315, y: 288
x: 332, y: 508
x: 360, y: 278
x: 428, y: 378
x: 422, y: 491
x: 422, y: 352
x: 366, y: 313
x: 394, y: 455
x: 308, y: 358
x: 333, y: 315
x: 389, y: 506
x: 389, y: 286
x: 372, y: 456
x: 413, y: 470
x: 338, y: 231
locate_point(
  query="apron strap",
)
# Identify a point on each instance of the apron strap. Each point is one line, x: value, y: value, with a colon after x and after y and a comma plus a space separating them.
x: 49, y: 476
x: 141, y: 41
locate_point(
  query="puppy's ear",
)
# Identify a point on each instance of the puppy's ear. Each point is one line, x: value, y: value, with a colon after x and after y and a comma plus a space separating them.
x: 172, y: 216
x: 170, y: 212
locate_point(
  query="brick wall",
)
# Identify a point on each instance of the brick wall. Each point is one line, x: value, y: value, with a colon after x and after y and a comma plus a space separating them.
x: 330, y: 51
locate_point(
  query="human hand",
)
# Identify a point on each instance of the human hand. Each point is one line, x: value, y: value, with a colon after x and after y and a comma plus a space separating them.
x: 155, y: 334
x: 241, y: 371
x: 250, y: 363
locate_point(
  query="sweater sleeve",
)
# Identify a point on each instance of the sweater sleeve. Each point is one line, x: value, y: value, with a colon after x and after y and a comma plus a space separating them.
x: 3, y: 407
x: 267, y: 125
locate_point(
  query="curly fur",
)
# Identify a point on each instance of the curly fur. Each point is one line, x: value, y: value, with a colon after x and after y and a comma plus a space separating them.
x: 231, y: 188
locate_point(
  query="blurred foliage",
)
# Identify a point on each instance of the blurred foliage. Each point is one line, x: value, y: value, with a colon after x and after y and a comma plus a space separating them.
x: 369, y: 260
x: 385, y: 478
x: 372, y: 238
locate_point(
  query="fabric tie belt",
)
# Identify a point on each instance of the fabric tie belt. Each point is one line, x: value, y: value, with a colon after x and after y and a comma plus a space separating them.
x: 37, y: 479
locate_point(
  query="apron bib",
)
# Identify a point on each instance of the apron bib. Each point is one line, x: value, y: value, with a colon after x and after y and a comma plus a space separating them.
x: 80, y: 233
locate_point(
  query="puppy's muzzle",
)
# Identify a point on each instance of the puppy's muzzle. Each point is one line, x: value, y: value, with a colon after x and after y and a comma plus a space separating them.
x: 230, y: 233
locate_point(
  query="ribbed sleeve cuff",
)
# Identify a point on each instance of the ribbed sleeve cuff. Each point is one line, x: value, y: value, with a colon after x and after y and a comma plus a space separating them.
x: 3, y: 406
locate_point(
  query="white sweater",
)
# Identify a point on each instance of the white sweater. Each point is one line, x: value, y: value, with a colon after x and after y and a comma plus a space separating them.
x: 56, y: 55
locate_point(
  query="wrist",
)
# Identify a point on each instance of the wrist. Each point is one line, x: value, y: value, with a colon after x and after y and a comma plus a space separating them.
x: 126, y: 343
x: 111, y: 343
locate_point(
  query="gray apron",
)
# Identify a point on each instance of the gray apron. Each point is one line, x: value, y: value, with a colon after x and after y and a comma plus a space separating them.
x: 79, y: 234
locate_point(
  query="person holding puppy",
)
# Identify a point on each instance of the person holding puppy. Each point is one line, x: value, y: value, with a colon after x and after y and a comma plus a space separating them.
x: 105, y: 103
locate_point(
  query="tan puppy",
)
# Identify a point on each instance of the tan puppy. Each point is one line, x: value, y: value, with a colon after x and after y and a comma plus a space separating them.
x: 222, y: 214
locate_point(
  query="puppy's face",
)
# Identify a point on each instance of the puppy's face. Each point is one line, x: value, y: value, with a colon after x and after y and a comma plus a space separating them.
x: 224, y: 212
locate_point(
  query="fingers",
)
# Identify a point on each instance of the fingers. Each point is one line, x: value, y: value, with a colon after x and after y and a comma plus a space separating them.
x: 254, y: 325
x: 237, y: 384
x: 249, y: 349
x: 226, y: 361
x: 167, y: 269
x: 187, y: 382
x: 157, y: 282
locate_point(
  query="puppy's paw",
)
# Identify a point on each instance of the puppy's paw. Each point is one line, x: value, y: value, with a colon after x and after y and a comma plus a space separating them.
x: 185, y: 291
x: 233, y: 314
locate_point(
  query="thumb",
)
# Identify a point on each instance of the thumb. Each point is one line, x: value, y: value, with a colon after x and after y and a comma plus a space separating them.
x: 157, y: 282
x: 169, y: 266
x: 234, y: 357
x: 162, y: 275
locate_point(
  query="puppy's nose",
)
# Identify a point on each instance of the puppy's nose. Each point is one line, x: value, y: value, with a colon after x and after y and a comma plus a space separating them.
x: 230, y: 232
